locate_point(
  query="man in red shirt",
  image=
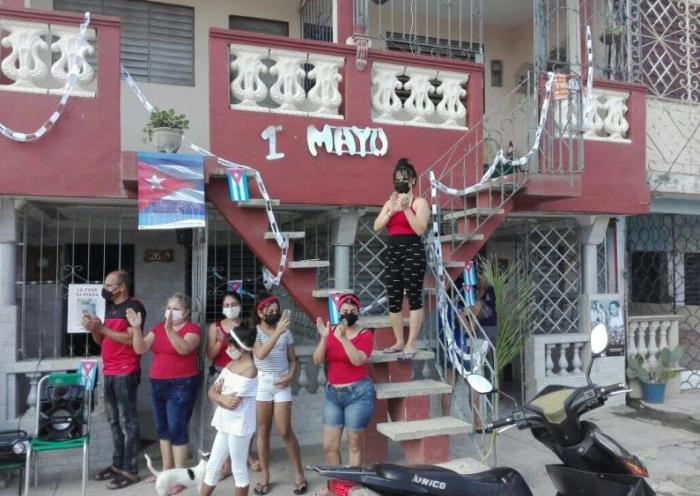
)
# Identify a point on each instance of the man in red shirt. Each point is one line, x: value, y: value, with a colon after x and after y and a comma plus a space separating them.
x: 122, y: 374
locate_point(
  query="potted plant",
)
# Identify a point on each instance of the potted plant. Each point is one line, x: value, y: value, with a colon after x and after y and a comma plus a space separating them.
x: 654, y: 379
x: 612, y: 34
x: 165, y: 129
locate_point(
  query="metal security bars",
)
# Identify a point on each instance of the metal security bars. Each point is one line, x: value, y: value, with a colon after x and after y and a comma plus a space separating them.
x: 317, y: 20
x: 451, y: 29
x: 368, y: 264
x: 664, y: 278
x: 58, y: 246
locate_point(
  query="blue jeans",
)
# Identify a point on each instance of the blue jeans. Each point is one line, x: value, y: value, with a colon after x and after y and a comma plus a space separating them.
x: 173, y: 402
x: 350, y: 407
x: 123, y: 416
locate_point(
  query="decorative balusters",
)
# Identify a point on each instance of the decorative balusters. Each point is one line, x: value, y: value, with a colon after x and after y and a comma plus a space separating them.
x: 662, y: 332
x: 286, y: 82
x: 664, y: 326
x: 641, y: 343
x: 567, y: 364
x: 633, y: 330
x: 577, y: 361
x: 549, y: 363
x: 310, y: 377
x: 28, y: 63
x: 425, y: 87
x: 563, y: 362
x: 652, y: 348
x: 609, y: 116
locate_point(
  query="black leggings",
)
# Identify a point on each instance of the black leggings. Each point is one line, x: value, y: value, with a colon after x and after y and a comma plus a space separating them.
x: 404, y: 269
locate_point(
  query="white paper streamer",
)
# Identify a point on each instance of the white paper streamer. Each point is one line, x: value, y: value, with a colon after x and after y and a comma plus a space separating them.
x: 588, y: 107
x: 60, y: 107
x: 269, y: 280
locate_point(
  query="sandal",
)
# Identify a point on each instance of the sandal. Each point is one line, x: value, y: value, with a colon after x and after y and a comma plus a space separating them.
x: 392, y: 349
x: 121, y: 481
x: 300, y: 488
x: 261, y: 488
x: 106, y: 474
x: 406, y: 356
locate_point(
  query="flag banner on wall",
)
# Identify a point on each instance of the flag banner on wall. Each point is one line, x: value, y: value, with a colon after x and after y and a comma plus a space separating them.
x: 469, y: 286
x: 238, y: 185
x: 88, y: 373
x: 333, y: 307
x: 171, y: 191
x: 236, y: 286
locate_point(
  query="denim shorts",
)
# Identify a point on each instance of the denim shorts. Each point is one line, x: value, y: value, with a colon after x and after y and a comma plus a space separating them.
x: 350, y: 407
x: 173, y: 401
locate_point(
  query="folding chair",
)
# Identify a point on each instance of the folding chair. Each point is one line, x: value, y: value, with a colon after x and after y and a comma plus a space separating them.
x: 39, y: 445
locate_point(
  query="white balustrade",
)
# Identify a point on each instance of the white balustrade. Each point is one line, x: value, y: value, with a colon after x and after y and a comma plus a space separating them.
x: 424, y: 85
x: 562, y: 354
x: 648, y: 335
x: 608, y: 111
x: 310, y: 377
x: 29, y: 63
x: 282, y: 87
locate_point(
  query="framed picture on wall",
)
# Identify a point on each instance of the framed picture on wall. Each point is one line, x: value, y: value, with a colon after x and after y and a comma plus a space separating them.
x: 607, y: 309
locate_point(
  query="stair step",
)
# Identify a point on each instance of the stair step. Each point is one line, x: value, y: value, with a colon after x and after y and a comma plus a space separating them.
x: 454, y: 264
x: 460, y: 238
x: 287, y: 234
x: 473, y: 212
x: 379, y: 321
x: 257, y: 203
x: 323, y: 293
x: 420, y: 429
x: 378, y: 356
x: 308, y: 264
x: 423, y: 387
x: 496, y: 186
x: 465, y: 466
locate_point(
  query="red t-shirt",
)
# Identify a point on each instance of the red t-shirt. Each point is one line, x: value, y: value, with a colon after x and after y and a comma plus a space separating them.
x: 340, y: 369
x: 168, y: 363
x: 221, y: 360
x: 117, y: 358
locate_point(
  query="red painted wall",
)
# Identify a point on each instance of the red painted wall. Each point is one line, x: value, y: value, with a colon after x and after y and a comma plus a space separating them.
x: 79, y: 156
x: 614, y: 178
x: 326, y: 178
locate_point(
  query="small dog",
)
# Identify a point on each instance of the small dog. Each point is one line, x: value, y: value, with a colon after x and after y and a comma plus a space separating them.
x: 188, y: 477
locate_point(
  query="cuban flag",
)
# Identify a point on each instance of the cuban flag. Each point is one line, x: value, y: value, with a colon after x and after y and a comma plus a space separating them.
x: 88, y: 373
x: 238, y: 185
x: 469, y: 286
x: 171, y: 191
x: 334, y: 307
x: 236, y: 286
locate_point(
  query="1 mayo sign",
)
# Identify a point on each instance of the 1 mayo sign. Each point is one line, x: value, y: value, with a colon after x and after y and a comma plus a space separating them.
x: 343, y: 140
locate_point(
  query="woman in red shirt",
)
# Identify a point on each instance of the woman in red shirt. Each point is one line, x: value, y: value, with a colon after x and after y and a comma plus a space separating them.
x: 174, y: 375
x: 350, y: 392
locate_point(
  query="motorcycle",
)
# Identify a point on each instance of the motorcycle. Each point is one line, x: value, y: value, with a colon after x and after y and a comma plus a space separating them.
x: 592, y: 462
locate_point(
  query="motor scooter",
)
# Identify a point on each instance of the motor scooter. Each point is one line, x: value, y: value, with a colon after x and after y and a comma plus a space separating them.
x: 593, y: 463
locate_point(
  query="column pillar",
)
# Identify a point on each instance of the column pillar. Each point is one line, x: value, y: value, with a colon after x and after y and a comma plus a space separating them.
x: 343, y: 234
x: 593, y: 230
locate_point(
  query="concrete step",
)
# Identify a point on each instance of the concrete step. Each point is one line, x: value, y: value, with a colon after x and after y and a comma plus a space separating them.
x: 379, y: 321
x: 323, y: 293
x: 454, y: 264
x: 465, y: 466
x: 378, y: 356
x: 496, y: 186
x: 423, y: 387
x: 257, y: 203
x: 460, y: 238
x: 473, y: 212
x: 308, y: 264
x: 287, y: 234
x: 420, y: 429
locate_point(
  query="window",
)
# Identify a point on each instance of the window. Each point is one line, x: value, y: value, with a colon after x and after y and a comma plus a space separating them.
x: 265, y: 26
x: 497, y: 73
x: 691, y: 281
x: 649, y: 281
x: 157, y: 40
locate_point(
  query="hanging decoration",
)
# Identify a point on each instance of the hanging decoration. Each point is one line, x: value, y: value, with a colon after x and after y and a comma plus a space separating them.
x: 235, y: 286
x: 73, y: 75
x: 469, y: 280
x: 237, y: 184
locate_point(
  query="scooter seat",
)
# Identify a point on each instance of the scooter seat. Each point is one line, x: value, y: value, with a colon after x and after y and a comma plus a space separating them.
x: 438, y: 481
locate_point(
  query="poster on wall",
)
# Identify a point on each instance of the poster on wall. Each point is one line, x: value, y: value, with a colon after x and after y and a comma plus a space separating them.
x: 84, y: 299
x: 607, y: 309
x: 171, y: 191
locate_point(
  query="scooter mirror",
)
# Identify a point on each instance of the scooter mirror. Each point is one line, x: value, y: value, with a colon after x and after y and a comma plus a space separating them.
x: 479, y: 383
x: 599, y: 339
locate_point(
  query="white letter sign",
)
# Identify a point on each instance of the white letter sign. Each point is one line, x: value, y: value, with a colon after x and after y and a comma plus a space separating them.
x: 343, y: 140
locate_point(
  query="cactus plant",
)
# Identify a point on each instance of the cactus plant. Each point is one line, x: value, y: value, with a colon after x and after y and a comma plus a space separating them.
x: 664, y: 370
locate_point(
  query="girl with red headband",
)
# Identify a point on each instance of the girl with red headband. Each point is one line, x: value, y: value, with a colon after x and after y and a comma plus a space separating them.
x: 350, y: 394
x: 276, y: 362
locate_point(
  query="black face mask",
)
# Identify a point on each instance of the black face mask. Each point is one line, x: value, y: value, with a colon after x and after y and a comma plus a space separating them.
x: 402, y: 186
x: 107, y: 294
x: 350, y: 318
x: 272, y: 318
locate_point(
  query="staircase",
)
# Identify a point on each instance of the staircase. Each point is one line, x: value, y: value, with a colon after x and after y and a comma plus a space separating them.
x: 466, y: 222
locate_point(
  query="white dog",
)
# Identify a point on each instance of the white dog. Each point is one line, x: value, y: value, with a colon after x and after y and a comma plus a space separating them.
x: 188, y: 477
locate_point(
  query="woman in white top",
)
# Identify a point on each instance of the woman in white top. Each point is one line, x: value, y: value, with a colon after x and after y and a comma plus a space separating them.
x: 276, y: 363
x: 234, y: 419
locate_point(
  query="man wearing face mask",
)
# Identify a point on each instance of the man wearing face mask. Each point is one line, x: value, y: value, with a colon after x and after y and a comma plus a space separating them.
x: 122, y: 374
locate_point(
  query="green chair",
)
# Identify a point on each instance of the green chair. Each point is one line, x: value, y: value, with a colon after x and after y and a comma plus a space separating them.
x: 38, y: 445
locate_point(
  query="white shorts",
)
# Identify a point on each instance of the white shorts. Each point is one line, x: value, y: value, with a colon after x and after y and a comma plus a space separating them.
x: 267, y: 391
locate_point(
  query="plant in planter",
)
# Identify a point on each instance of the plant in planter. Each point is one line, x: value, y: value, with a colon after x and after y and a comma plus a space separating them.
x: 612, y: 34
x: 654, y: 378
x: 164, y: 129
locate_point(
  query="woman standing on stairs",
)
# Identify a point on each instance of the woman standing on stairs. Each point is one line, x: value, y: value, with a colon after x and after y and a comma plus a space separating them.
x: 406, y: 218
x: 276, y: 362
x: 350, y: 392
